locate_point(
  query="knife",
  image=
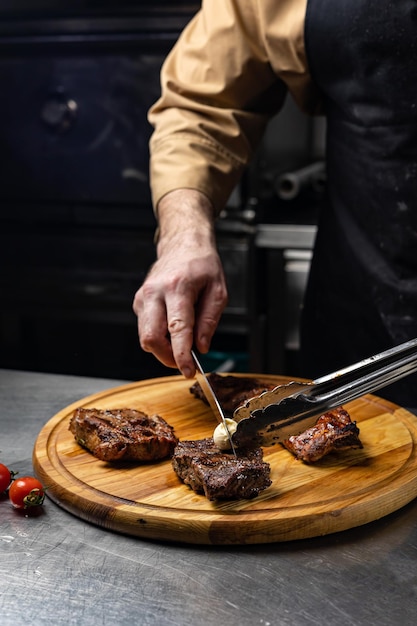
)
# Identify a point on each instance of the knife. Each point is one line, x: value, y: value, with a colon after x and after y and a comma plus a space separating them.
x: 212, y: 399
x: 290, y: 409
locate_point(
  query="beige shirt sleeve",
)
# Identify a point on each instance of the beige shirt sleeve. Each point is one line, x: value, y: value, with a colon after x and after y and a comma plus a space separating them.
x: 226, y: 77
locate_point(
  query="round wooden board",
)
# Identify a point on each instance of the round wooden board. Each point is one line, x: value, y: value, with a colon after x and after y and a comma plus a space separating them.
x: 342, y: 491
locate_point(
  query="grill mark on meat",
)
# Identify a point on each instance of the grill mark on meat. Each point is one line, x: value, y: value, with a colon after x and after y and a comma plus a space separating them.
x: 232, y: 391
x: 128, y: 434
x: 219, y: 475
x: 334, y: 430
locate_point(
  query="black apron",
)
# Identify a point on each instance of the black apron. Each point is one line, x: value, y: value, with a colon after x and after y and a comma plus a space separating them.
x: 362, y: 292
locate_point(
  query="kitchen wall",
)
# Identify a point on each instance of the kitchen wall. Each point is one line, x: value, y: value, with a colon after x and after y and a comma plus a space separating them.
x: 76, y: 225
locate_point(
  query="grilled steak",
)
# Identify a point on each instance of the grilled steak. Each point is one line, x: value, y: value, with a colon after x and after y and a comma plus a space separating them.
x: 219, y: 475
x: 333, y: 431
x: 232, y: 391
x: 125, y: 434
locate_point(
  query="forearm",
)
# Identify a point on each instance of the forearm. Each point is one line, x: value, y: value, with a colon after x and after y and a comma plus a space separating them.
x: 185, y: 217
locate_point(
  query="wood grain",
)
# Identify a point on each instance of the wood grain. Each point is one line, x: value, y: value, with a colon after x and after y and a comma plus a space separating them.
x: 342, y: 491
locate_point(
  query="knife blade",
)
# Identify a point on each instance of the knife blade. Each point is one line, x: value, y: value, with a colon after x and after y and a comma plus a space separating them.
x: 292, y: 408
x: 212, y: 399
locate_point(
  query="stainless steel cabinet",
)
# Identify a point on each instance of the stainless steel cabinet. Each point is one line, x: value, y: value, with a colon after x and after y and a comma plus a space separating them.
x: 284, y: 253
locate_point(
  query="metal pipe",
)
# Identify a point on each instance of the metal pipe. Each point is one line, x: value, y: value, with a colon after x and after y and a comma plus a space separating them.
x: 290, y: 184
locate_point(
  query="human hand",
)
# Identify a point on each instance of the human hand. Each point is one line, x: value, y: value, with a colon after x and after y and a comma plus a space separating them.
x: 182, y: 298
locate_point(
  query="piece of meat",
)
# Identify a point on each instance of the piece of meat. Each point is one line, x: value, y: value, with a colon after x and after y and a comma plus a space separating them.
x: 232, y: 391
x: 219, y: 475
x: 333, y: 431
x: 128, y: 434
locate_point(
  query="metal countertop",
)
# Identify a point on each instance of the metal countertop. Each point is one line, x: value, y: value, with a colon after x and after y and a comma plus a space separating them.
x: 56, y: 569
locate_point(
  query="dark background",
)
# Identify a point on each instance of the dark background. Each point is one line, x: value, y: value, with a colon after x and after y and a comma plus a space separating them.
x: 76, y: 222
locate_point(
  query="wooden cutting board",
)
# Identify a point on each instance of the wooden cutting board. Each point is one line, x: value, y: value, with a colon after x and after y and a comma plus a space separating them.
x: 342, y: 491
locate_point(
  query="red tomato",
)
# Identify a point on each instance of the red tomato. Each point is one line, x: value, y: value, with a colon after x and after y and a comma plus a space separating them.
x: 26, y: 492
x: 5, y: 477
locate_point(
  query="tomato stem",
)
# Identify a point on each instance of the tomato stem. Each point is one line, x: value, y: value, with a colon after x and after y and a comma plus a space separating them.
x: 34, y: 498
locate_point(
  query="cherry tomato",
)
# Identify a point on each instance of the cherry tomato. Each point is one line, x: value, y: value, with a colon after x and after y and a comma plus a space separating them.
x: 26, y: 492
x: 6, y: 477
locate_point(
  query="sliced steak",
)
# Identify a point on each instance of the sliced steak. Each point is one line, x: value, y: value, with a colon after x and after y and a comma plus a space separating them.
x: 128, y: 434
x: 232, y: 391
x: 333, y: 431
x: 219, y: 475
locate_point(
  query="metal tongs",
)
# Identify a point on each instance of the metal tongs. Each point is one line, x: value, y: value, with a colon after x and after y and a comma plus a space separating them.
x: 290, y: 409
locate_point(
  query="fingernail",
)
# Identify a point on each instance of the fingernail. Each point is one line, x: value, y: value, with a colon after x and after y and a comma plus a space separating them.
x: 186, y: 372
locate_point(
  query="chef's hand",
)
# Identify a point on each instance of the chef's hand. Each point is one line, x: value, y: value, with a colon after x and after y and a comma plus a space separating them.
x: 182, y: 298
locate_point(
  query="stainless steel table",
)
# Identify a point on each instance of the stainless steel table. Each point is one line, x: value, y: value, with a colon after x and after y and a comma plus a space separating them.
x: 57, y: 569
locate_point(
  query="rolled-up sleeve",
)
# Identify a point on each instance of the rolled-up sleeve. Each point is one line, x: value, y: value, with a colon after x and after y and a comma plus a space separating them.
x: 218, y: 92
x: 225, y: 78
